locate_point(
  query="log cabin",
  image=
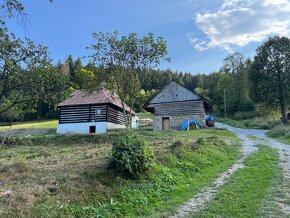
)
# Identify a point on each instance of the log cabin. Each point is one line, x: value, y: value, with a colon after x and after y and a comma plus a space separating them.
x: 94, y: 112
x: 174, y: 105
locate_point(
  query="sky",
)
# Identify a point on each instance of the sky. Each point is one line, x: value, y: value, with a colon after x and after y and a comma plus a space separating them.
x: 199, y: 33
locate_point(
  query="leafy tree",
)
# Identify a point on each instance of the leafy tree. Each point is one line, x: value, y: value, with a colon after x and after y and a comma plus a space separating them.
x: 237, y: 66
x: 270, y: 74
x: 18, y: 60
x: 125, y: 58
x: 53, y: 87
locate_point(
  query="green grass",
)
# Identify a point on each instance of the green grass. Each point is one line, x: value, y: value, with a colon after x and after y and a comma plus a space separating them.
x: 247, y: 189
x: 67, y: 176
x: 256, y: 123
x: 49, y: 124
x: 145, y: 115
x: 280, y: 133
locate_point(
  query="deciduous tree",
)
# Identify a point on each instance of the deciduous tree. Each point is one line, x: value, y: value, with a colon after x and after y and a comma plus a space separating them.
x: 127, y: 58
x: 270, y: 74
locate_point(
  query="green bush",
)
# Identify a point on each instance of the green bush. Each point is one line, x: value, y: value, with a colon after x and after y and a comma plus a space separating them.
x: 130, y: 157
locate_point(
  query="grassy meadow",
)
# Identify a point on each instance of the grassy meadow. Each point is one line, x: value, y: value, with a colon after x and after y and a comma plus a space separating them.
x: 67, y: 175
x: 46, y: 124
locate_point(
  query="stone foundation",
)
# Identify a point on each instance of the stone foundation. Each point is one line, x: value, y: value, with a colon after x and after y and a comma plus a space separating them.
x: 175, y: 121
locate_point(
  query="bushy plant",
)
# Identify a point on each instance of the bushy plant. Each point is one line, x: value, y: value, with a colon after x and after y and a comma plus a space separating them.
x: 130, y: 157
x: 245, y: 115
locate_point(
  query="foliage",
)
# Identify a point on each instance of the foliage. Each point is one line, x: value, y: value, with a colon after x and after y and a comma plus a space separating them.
x: 125, y: 57
x: 247, y: 189
x: 130, y: 157
x: 270, y: 74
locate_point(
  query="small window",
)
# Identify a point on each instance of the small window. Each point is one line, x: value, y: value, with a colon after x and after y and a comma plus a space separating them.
x: 98, y: 111
x: 92, y: 129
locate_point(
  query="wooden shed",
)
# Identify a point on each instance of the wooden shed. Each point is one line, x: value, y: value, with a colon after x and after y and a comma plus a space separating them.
x: 94, y: 112
x: 175, y: 104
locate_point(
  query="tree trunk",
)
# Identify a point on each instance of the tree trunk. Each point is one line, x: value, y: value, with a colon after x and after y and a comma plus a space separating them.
x: 284, y: 118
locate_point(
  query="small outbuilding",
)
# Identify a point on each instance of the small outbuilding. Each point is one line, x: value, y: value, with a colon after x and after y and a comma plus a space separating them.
x: 174, y: 105
x: 94, y: 112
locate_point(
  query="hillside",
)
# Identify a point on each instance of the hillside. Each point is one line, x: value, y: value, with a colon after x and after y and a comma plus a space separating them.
x: 67, y: 175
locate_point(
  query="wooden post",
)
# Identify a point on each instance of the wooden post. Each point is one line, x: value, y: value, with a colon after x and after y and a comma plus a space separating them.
x: 225, y: 103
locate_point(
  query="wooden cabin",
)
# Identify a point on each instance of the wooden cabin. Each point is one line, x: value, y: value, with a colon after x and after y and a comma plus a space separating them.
x: 174, y: 105
x: 94, y: 112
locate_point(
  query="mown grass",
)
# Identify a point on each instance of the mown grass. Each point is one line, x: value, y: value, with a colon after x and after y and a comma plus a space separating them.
x: 67, y: 176
x: 281, y: 133
x: 247, y: 189
x: 48, y: 124
x: 256, y: 123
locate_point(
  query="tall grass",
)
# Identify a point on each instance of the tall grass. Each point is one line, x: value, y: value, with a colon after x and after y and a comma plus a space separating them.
x: 282, y: 133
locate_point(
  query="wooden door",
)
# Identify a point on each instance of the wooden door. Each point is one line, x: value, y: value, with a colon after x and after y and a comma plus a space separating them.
x: 165, y: 124
x: 92, y: 129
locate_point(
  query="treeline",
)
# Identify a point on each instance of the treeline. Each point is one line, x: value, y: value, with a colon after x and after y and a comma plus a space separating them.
x: 57, y: 82
x: 231, y: 81
x: 33, y: 87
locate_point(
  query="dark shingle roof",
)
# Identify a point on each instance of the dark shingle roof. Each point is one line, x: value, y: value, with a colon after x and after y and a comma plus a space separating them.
x: 98, y: 96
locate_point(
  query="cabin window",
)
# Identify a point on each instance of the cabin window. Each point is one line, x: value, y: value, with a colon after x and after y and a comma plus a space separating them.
x: 98, y: 111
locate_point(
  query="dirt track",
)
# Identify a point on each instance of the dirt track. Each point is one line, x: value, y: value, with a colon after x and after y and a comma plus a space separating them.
x: 257, y: 137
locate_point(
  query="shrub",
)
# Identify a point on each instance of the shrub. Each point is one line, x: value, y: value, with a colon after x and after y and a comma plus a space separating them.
x: 130, y: 157
x: 245, y: 115
x: 210, y: 141
x: 279, y: 131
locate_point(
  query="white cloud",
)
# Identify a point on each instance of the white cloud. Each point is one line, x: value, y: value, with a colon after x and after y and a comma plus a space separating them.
x: 239, y: 22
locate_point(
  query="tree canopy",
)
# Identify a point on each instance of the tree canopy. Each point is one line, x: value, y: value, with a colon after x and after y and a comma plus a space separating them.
x: 270, y: 74
x: 127, y: 60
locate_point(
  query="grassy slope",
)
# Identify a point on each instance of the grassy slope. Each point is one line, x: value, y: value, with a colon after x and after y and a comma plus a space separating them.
x: 59, y: 176
x: 50, y: 124
x: 281, y: 133
x: 247, y: 189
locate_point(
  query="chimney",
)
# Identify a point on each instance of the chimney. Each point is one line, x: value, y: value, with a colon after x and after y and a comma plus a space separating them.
x: 113, y: 93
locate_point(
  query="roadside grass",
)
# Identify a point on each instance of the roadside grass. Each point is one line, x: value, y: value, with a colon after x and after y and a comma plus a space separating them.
x: 48, y: 124
x: 255, y: 123
x: 281, y: 133
x: 248, y: 189
x: 67, y: 176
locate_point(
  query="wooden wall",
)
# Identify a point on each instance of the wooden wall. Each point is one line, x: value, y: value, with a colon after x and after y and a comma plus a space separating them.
x: 81, y: 114
x: 115, y: 115
x: 174, y: 92
x: 87, y: 113
x: 179, y: 108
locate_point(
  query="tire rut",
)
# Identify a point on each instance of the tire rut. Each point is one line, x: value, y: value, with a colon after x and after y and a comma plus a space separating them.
x: 248, y: 146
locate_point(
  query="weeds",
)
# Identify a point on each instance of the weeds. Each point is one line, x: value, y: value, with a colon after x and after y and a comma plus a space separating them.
x: 282, y: 133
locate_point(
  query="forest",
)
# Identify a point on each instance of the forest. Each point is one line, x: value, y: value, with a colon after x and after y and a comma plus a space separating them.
x: 234, y: 83
x: 32, y: 85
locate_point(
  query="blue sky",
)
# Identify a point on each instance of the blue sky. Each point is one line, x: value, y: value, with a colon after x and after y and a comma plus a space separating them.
x: 200, y: 34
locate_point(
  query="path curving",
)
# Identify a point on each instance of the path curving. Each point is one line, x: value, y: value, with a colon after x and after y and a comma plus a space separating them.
x: 248, y: 146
